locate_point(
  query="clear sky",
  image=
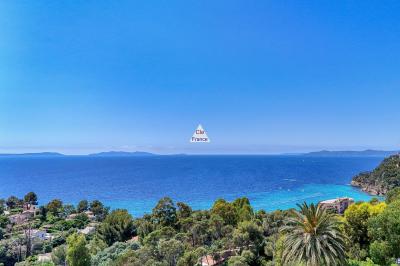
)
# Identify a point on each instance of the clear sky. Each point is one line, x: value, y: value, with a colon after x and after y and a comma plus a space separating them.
x: 260, y: 76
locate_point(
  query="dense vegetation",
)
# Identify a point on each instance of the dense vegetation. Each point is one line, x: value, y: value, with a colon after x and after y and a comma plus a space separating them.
x: 382, y: 179
x: 230, y: 233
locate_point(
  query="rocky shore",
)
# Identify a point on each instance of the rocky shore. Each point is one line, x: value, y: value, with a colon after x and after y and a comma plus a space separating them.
x: 382, y: 179
x: 370, y: 188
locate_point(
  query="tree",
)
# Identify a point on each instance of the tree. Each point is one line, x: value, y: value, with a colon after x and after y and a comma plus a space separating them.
x: 67, y: 209
x: 368, y: 262
x: 81, y: 220
x: 385, y: 230
x: 313, y: 236
x: 2, y: 206
x: 118, y: 226
x: 110, y: 255
x: 248, y: 235
x: 226, y: 211
x: 189, y: 258
x: 96, y: 245
x: 83, y: 205
x: 13, y: 202
x: 164, y: 213
x: 31, y: 198
x: 171, y: 250
x: 198, y: 233
x: 243, y: 209
x: 54, y: 207
x: 380, y: 253
x: 77, y: 252
x: 393, y: 195
x: 98, y: 210
x: 237, y: 261
x: 356, y: 222
x: 184, y: 210
x: 4, y: 221
x: 59, y: 255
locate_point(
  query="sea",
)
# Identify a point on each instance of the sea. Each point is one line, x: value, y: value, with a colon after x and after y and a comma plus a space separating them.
x: 137, y: 183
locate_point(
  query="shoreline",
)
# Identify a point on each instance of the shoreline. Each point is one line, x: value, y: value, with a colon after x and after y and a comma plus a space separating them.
x: 278, y: 200
x: 372, y: 190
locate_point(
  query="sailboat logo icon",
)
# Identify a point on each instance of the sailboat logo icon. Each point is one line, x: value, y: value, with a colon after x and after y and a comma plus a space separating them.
x: 199, y: 135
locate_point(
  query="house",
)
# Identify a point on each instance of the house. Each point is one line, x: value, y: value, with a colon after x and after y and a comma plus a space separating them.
x: 38, y: 234
x: 90, y: 215
x: 338, y: 205
x: 87, y: 230
x: 30, y: 208
x: 41, y: 234
x: 20, y: 218
x: 72, y: 216
x: 29, y: 211
x: 44, y: 257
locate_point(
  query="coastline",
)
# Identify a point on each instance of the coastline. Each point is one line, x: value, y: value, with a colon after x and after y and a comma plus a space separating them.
x: 371, y: 189
x: 269, y: 200
x: 381, y: 179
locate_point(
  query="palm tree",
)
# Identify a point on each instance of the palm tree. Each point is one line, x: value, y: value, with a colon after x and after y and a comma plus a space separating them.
x: 313, y: 238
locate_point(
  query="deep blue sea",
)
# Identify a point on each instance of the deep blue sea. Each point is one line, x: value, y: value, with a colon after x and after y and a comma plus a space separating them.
x: 137, y: 183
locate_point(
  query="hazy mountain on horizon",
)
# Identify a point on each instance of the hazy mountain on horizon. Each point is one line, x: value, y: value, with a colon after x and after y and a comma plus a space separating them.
x: 352, y: 153
x: 122, y: 153
x: 36, y: 154
x: 322, y: 153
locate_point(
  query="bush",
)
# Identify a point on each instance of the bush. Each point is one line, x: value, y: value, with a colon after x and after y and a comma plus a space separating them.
x: 108, y: 255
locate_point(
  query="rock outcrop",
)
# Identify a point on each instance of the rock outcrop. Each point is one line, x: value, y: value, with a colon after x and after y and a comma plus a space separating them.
x: 382, y: 179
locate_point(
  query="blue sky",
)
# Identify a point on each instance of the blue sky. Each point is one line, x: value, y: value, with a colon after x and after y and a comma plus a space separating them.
x: 260, y: 76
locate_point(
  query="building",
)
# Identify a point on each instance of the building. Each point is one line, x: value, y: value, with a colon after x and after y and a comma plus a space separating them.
x: 30, y: 208
x: 40, y: 234
x: 44, y: 257
x: 87, y: 230
x: 29, y: 211
x: 338, y: 205
x: 72, y: 216
x: 20, y: 218
x: 90, y: 215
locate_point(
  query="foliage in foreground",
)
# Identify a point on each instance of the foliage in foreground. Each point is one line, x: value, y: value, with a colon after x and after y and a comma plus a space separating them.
x: 313, y: 237
x: 367, y: 234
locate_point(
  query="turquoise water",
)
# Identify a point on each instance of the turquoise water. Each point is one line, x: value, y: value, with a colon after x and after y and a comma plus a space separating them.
x: 269, y: 201
x: 137, y: 183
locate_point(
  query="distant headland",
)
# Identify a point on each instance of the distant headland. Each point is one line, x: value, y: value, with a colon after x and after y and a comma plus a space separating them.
x: 122, y: 154
x: 382, y: 179
x: 322, y: 153
x: 379, y: 153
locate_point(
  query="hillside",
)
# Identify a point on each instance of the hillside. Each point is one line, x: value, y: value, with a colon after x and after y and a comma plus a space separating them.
x: 383, y: 178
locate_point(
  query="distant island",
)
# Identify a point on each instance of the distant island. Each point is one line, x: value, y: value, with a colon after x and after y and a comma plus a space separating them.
x: 122, y: 154
x: 382, y: 179
x: 37, y: 154
x: 351, y: 153
x: 323, y: 153
x: 100, y: 154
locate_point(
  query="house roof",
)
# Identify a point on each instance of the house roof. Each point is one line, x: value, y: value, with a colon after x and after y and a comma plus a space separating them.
x: 330, y: 201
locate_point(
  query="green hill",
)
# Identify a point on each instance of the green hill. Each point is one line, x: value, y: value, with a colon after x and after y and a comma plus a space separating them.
x: 383, y: 178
